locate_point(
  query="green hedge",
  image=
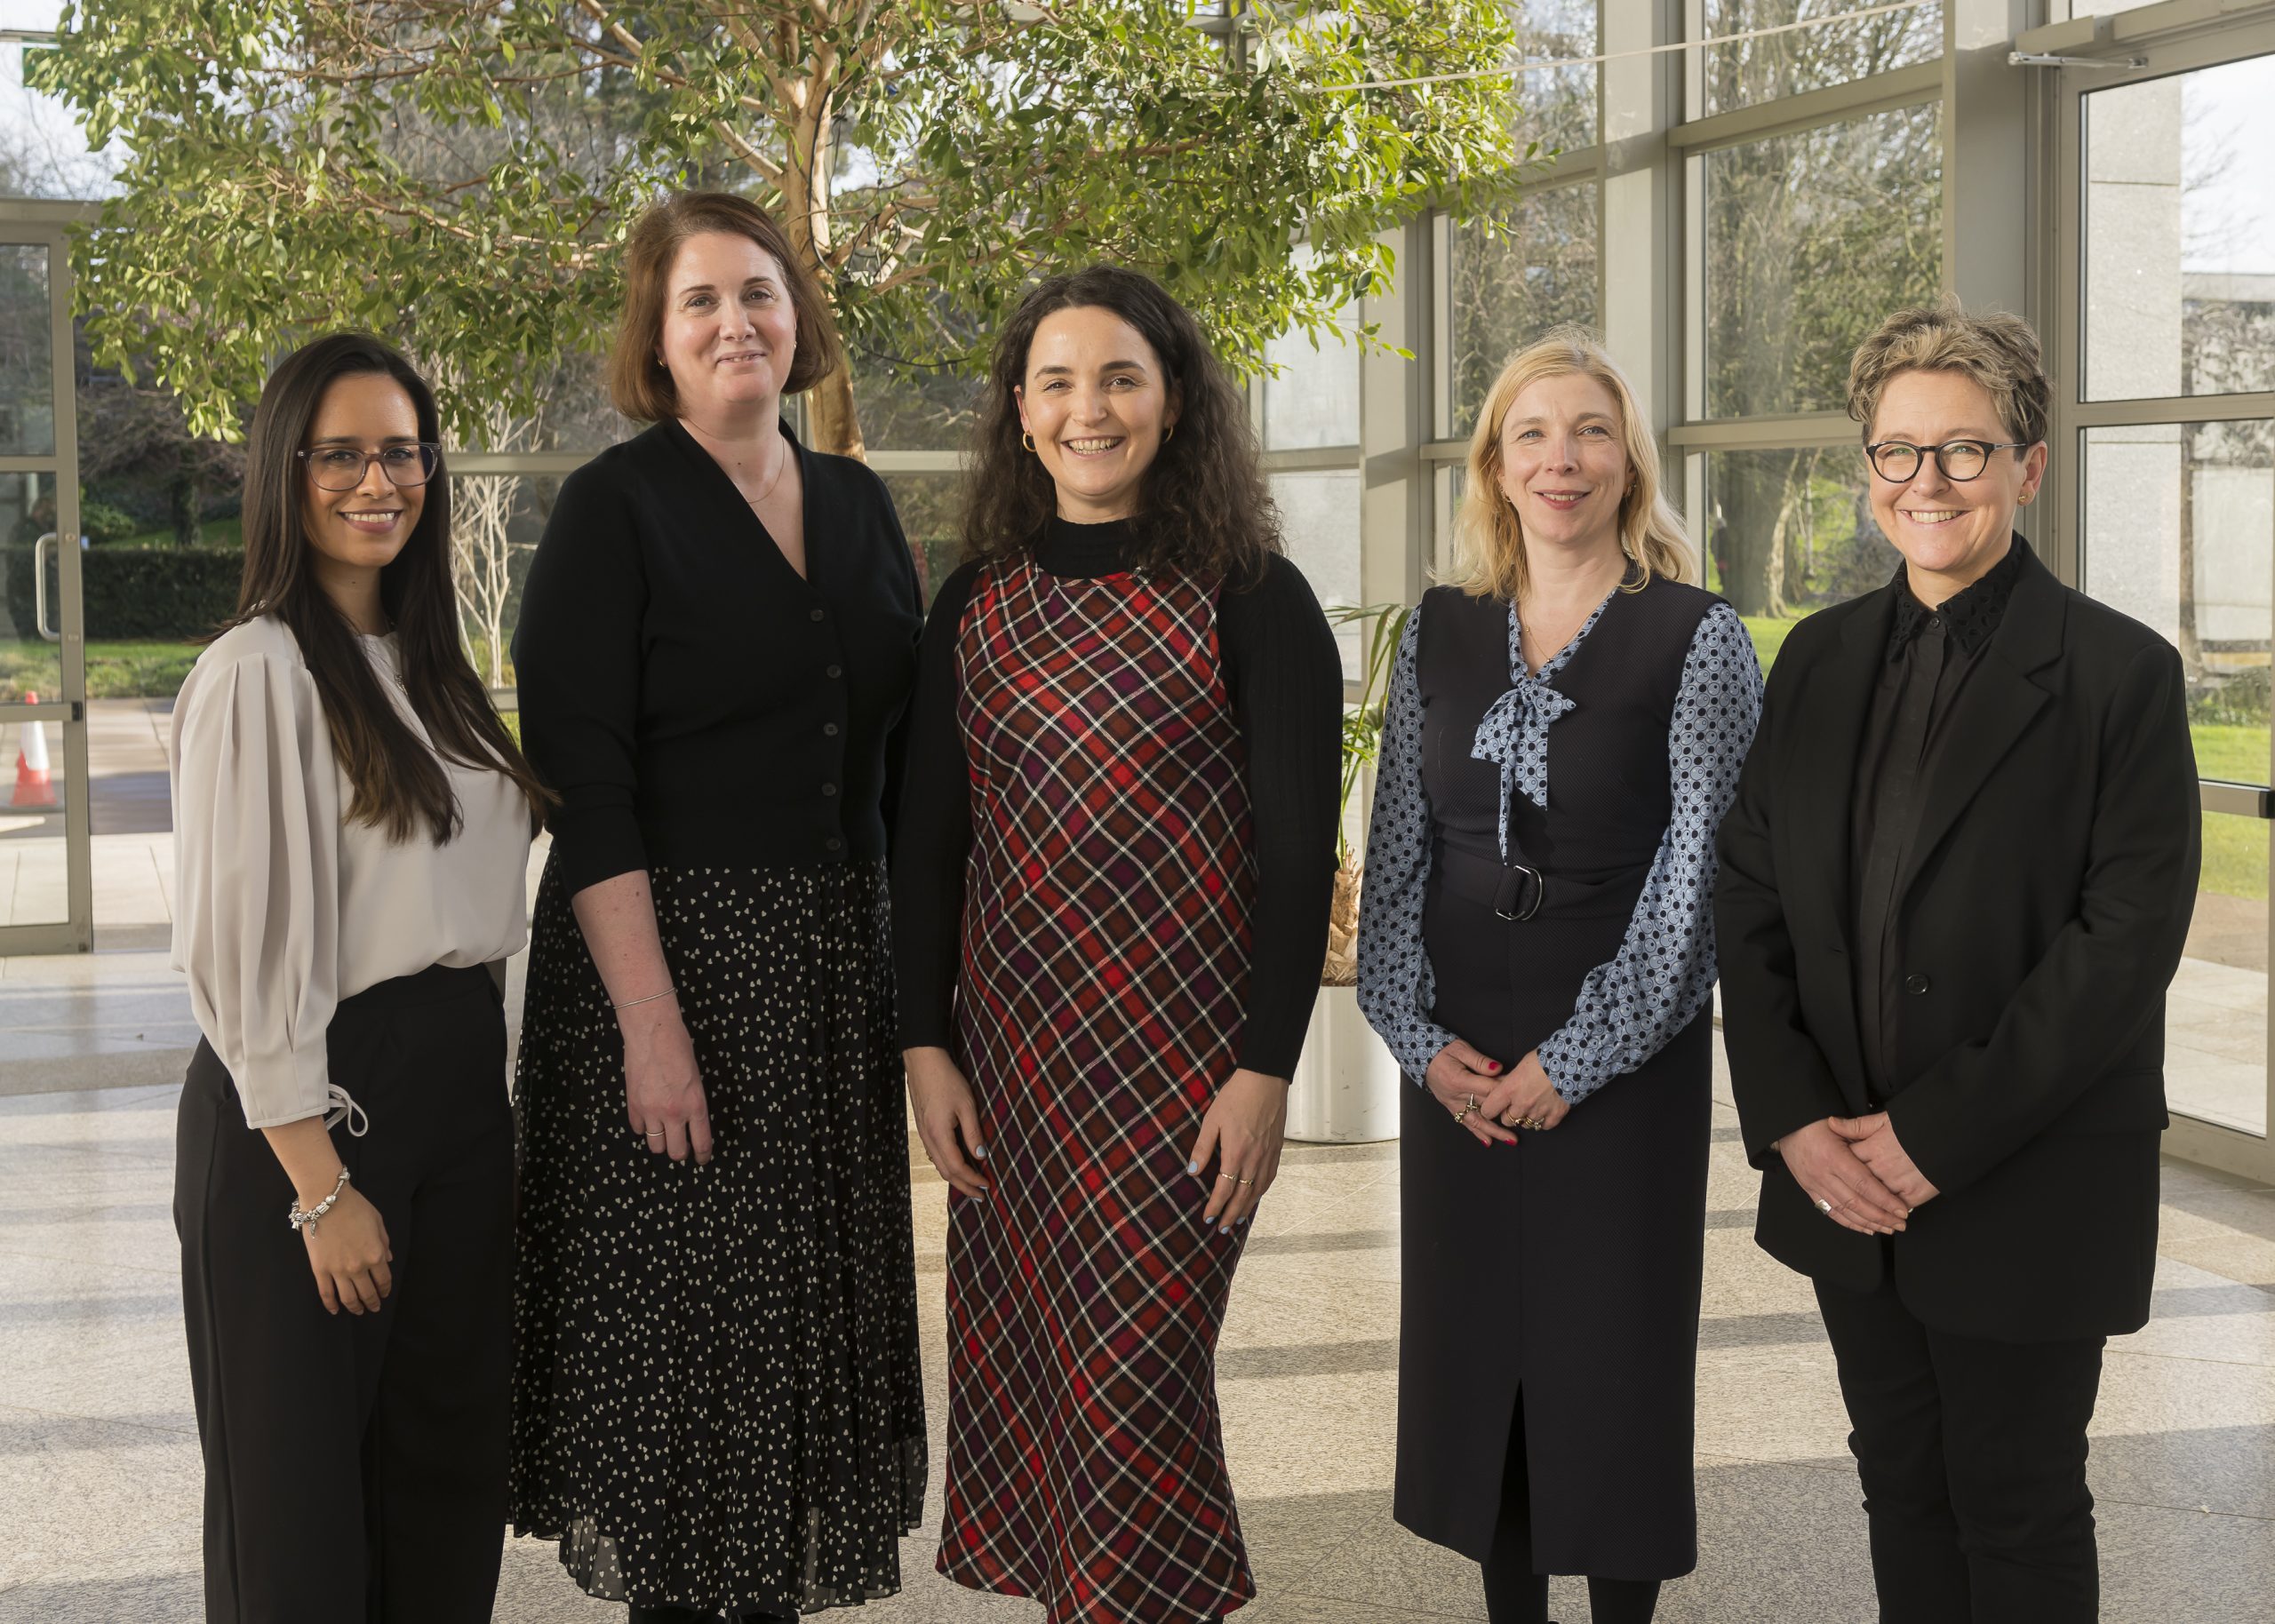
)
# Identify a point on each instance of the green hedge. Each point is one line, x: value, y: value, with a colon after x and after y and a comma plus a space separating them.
x: 132, y: 593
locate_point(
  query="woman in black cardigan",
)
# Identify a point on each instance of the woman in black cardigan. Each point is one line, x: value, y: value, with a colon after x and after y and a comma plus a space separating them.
x: 717, y: 1408
x: 1954, y: 886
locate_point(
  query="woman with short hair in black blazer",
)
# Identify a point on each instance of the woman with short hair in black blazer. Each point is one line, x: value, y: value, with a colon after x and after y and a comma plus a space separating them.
x: 1954, y: 888
x: 1536, y: 946
x: 716, y: 1405
x: 352, y: 828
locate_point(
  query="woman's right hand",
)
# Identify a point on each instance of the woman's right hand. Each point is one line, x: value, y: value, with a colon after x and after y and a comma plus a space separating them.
x: 947, y: 1117
x: 663, y: 1087
x: 348, y: 1252
x: 1839, y: 1184
x: 1460, y: 1077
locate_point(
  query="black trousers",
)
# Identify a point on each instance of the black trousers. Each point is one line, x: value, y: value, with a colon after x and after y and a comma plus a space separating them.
x: 356, y: 1467
x: 1973, y: 1457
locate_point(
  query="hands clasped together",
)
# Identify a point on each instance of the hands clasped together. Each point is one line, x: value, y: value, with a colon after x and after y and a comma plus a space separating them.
x: 1492, y: 1101
x: 1856, y: 1173
x: 1237, y: 1150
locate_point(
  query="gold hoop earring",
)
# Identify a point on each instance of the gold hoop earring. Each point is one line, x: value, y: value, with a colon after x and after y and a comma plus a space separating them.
x: 1027, y: 440
x: 1168, y: 434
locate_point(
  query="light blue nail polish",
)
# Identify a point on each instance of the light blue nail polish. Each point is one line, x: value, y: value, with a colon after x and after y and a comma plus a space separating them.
x: 1192, y: 1167
x: 979, y: 1152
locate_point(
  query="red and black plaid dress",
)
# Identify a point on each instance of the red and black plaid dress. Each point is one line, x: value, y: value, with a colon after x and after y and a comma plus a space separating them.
x: 1105, y: 966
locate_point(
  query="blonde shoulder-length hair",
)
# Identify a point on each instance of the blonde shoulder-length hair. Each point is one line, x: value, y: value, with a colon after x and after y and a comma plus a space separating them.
x: 1489, y: 539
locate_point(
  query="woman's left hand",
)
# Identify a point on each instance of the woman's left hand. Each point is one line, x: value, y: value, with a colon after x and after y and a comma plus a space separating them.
x: 1873, y: 1140
x: 1526, y: 1093
x: 1242, y: 1132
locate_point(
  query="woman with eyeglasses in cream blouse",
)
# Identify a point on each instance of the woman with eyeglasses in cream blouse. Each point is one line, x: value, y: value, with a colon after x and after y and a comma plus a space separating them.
x: 352, y: 826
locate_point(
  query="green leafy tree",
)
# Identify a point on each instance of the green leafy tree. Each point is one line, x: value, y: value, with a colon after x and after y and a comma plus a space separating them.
x: 459, y: 172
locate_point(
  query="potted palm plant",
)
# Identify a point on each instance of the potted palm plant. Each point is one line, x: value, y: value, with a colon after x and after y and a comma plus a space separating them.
x: 1345, y: 1088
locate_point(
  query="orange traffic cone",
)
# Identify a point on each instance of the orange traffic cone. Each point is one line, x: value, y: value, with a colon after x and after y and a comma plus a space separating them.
x: 33, y: 786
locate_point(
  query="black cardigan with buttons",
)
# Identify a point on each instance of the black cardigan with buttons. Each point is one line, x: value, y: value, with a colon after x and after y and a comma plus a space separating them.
x: 693, y: 701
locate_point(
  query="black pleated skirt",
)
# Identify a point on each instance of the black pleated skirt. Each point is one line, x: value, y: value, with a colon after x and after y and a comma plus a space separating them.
x: 1562, y: 1273
x: 717, y: 1396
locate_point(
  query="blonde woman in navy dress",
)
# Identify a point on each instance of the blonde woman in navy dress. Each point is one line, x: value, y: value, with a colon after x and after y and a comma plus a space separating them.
x: 1535, y: 945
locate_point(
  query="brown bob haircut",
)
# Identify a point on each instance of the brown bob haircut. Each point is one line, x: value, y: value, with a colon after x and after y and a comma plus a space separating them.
x: 638, y: 384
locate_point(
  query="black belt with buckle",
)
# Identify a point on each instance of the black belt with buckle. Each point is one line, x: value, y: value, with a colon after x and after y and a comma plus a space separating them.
x: 1518, y: 891
x: 1521, y: 892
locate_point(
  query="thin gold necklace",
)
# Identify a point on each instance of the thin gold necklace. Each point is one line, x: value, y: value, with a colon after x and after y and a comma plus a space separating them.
x: 780, y: 463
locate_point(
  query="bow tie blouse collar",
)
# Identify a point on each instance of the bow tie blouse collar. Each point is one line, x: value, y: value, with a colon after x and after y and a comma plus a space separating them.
x: 1514, y: 731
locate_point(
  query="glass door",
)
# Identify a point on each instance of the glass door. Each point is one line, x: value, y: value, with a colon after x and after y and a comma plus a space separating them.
x: 2164, y: 374
x: 46, y: 887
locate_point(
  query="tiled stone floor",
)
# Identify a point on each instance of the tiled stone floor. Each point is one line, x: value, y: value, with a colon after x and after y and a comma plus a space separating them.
x: 99, y: 1471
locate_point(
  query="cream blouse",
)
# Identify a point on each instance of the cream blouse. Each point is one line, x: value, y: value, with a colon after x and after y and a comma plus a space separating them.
x: 281, y: 908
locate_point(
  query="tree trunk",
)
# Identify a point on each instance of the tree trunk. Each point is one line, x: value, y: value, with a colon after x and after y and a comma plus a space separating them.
x: 1799, y: 522
x: 832, y: 420
x: 1751, y: 502
x: 186, y: 501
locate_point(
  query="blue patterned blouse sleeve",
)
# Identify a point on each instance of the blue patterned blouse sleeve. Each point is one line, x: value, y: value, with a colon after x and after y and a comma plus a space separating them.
x: 1395, y: 987
x: 1665, y: 971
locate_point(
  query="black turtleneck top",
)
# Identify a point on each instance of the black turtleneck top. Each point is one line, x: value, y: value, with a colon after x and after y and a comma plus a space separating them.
x: 1283, y: 676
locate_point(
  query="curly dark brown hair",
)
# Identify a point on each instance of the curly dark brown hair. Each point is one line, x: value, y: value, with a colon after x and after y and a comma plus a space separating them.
x: 1203, y: 510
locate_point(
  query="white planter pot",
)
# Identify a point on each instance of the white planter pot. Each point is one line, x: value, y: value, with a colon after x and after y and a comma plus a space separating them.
x: 1346, y: 1086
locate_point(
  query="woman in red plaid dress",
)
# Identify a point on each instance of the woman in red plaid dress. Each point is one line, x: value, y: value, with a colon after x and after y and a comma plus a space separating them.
x: 1110, y: 880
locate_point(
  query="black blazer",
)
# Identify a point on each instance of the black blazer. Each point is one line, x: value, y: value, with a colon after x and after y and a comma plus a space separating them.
x: 2045, y: 902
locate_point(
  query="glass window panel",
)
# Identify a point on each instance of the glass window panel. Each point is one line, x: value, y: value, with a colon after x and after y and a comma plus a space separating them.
x: 1532, y: 267
x: 915, y: 409
x: 2180, y: 534
x: 26, y: 352
x: 932, y: 516
x: 1321, y: 515
x: 29, y: 663
x: 1555, y: 106
x: 1788, y: 532
x: 2215, y: 1013
x: 1314, y: 399
x: 33, y: 861
x: 1812, y: 238
x: 1749, y: 71
x: 497, y: 520
x: 2180, y: 235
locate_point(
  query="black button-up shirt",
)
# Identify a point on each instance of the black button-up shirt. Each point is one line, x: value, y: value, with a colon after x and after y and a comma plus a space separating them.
x: 1908, y: 724
x: 691, y: 698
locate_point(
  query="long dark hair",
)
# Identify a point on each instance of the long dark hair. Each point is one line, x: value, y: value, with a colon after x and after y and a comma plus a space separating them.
x: 1204, y: 508
x: 397, y: 783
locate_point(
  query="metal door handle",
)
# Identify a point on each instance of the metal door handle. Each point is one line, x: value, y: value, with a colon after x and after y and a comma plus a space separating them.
x: 39, y: 587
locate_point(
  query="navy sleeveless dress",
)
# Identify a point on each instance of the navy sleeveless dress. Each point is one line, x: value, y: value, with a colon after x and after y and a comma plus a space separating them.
x: 1561, y: 1274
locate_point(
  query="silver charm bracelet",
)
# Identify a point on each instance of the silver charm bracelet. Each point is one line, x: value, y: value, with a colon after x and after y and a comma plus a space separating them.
x: 307, y: 1221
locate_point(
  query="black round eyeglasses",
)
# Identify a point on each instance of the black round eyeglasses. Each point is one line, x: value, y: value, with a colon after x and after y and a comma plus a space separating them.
x: 1897, y: 461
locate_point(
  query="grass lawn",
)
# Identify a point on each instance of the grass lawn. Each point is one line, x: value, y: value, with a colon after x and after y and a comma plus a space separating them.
x: 226, y: 534
x: 2235, y: 847
x: 1769, y: 632
x: 114, y: 670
